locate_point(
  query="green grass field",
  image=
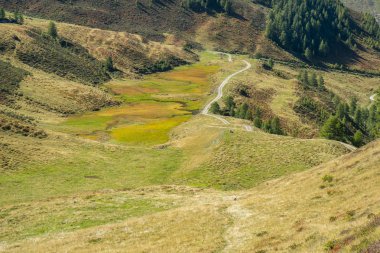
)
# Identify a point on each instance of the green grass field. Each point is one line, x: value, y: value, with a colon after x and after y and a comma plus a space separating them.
x: 80, y: 167
x: 70, y: 214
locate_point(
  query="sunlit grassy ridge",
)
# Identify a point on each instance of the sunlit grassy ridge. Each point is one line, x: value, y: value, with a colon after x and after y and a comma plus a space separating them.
x: 228, y: 159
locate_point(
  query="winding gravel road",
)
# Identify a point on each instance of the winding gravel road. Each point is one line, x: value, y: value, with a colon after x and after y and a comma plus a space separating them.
x: 206, y: 110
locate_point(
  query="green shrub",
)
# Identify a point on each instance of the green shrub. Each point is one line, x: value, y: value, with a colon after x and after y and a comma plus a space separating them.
x: 330, y: 245
x: 52, y: 30
x: 327, y: 178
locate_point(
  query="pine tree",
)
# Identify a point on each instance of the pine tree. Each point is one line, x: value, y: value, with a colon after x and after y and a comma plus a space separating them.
x: 284, y: 39
x: 323, y: 48
x: 358, y: 116
x: 242, y: 111
x: 358, y: 138
x: 308, y: 54
x: 20, y: 19
x: 258, y: 122
x: 248, y: 115
x: 267, y: 125
x: 313, y: 80
x: 275, y: 126
x: 15, y: 16
x: 332, y: 129
x: 353, y: 105
x: 2, y: 14
x: 321, y: 83
x: 109, y: 64
x: 340, y: 111
x: 228, y: 7
x: 303, y: 77
x: 270, y: 63
x: 52, y: 30
x: 230, y: 105
x: 215, y: 108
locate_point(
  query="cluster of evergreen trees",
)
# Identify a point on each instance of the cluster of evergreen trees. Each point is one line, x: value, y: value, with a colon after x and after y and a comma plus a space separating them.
x: 310, y: 27
x: 311, y: 80
x: 370, y: 26
x: 271, y: 125
x: 209, y: 5
x: 347, y: 122
x: 17, y: 17
x: 352, y: 123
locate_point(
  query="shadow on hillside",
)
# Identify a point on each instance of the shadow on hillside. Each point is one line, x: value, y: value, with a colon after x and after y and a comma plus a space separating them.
x: 343, y: 55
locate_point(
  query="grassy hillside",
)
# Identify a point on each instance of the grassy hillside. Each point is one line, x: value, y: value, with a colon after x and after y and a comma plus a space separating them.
x: 234, y: 159
x: 40, y: 51
x: 260, y: 219
x: 241, y: 31
x: 130, y: 52
x: 10, y: 77
x: 118, y: 160
x: 277, y: 93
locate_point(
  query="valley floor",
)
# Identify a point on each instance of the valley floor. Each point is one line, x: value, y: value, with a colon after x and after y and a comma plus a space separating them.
x: 149, y: 176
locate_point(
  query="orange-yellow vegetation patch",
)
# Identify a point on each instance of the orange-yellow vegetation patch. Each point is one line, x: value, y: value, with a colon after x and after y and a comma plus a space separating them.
x: 154, y: 132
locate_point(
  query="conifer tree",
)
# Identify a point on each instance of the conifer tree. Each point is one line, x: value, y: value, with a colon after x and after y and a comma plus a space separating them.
x: 258, y: 122
x: 353, y: 105
x: 228, y: 7
x: 2, y: 13
x: 215, y: 108
x: 358, y: 138
x: 15, y: 16
x: 321, y: 83
x: 358, y: 116
x: 109, y: 64
x: 52, y: 30
x: 332, y: 129
x: 270, y: 63
x: 230, y: 105
x: 20, y: 19
x: 313, y: 80
x: 340, y: 111
x: 308, y: 54
x: 275, y: 126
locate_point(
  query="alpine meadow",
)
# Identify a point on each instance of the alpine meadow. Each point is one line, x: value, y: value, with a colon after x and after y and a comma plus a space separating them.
x: 190, y: 126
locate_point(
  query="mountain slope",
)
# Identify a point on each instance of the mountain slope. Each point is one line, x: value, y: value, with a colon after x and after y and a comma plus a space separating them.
x: 242, y: 31
x: 333, y: 207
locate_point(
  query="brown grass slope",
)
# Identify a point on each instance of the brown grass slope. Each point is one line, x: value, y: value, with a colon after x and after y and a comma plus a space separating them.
x: 241, y: 32
x: 331, y: 208
x: 129, y: 52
